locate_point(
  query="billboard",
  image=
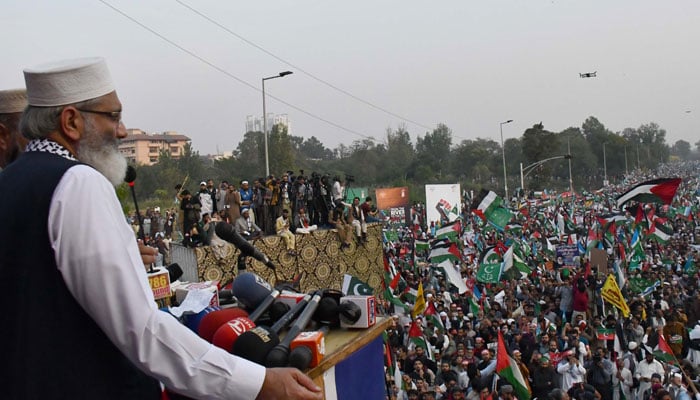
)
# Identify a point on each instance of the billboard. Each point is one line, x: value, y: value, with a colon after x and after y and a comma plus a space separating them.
x: 388, y: 198
x: 442, y: 203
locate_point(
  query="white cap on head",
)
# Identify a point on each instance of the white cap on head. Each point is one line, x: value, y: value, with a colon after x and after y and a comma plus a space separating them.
x: 13, y: 101
x: 67, y: 82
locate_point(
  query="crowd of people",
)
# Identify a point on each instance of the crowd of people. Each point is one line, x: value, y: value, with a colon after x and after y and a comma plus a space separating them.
x: 281, y: 206
x: 566, y: 340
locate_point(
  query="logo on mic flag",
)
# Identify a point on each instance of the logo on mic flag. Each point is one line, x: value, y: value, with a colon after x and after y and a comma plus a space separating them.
x: 354, y: 286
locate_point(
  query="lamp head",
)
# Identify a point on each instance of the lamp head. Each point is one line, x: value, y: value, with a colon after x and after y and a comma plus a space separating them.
x: 285, y: 73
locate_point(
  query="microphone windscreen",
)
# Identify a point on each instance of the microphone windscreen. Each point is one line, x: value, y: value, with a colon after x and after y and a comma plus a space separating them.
x: 175, y: 271
x: 250, y: 289
x: 130, y: 176
x: 327, y: 312
x: 349, y: 312
x: 227, y: 335
x: 214, y: 320
x: 255, y: 344
x: 300, y: 358
x: 192, y: 321
x: 278, y: 310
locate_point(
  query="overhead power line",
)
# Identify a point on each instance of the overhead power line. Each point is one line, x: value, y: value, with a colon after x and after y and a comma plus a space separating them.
x: 230, y: 75
x: 300, y: 69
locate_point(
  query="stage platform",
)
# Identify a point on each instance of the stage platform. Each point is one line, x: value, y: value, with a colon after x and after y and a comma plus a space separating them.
x: 320, y: 263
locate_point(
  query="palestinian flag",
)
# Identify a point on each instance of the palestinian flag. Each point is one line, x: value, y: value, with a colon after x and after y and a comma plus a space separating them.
x: 664, y: 353
x: 488, y: 206
x: 508, y: 369
x: 661, y: 233
x: 431, y: 315
x: 441, y: 254
x: 450, y: 231
x: 653, y: 191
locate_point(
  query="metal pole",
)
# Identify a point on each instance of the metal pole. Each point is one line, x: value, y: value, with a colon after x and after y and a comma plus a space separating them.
x: 522, y: 179
x: 267, y: 158
x: 571, y: 179
x: 626, y: 171
x: 503, y: 151
x: 605, y: 166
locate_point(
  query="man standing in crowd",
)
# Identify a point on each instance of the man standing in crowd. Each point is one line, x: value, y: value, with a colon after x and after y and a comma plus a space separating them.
x: 90, y: 289
x: 12, y: 103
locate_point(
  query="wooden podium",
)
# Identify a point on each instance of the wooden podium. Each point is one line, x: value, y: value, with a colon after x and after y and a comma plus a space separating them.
x: 353, y: 367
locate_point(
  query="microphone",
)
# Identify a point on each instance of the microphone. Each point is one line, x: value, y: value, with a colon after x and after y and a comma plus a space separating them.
x: 227, y: 232
x: 129, y: 178
x: 215, y: 319
x: 308, y: 349
x: 255, y: 344
x: 279, y: 354
x: 250, y: 289
x: 174, y: 271
x: 228, y: 333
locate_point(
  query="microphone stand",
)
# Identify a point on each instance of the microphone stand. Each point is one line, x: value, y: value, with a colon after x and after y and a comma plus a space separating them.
x: 131, y: 177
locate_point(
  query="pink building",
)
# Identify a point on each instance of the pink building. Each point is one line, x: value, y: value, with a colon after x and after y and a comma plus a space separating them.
x: 142, y: 148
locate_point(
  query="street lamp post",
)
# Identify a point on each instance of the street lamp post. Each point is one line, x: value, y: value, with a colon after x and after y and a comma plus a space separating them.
x: 605, y: 167
x: 503, y: 150
x: 267, y: 157
x: 525, y: 171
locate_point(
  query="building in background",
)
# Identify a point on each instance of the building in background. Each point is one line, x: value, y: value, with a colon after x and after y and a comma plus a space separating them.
x: 142, y: 148
x: 255, y: 124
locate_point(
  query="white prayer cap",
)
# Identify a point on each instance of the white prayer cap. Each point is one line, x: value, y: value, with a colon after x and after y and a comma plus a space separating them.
x: 67, y: 82
x: 13, y: 101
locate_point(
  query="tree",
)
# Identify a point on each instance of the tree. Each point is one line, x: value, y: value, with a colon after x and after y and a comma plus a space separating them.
x: 399, y: 155
x: 433, y: 149
x: 539, y: 144
x: 313, y: 148
x: 681, y: 149
x: 280, y: 151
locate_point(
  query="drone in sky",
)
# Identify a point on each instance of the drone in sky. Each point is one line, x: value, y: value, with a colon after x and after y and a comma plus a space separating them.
x: 588, y: 74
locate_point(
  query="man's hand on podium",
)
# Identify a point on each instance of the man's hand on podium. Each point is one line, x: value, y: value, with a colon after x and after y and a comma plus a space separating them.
x: 288, y: 384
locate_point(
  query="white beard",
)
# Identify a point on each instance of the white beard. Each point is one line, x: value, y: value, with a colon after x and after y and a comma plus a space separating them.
x: 102, y: 153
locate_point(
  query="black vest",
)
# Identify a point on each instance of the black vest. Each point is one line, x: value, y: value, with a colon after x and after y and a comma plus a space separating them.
x: 51, y: 348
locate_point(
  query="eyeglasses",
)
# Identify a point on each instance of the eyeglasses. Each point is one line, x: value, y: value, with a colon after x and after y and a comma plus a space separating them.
x: 115, y: 116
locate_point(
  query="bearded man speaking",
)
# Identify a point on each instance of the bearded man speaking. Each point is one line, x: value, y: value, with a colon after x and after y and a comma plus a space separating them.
x: 79, y: 320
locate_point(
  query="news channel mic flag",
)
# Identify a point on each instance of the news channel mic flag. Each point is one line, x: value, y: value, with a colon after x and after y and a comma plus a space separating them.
x: 71, y: 267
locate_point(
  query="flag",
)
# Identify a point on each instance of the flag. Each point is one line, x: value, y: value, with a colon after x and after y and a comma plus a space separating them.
x: 431, y: 315
x: 353, y: 286
x: 605, y: 334
x: 508, y: 369
x: 663, y: 351
x: 611, y: 293
x: 441, y: 254
x: 489, y: 273
x: 389, y: 295
x: 419, y: 306
x: 449, y: 231
x: 415, y: 336
x: 654, y: 191
x: 488, y: 207
x: 453, y: 276
x: 421, y: 245
x: 660, y: 232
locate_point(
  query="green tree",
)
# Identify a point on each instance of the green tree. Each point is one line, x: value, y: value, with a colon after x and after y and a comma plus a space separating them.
x: 539, y: 144
x: 681, y: 149
x: 281, y: 154
x: 399, y: 156
x: 433, y: 149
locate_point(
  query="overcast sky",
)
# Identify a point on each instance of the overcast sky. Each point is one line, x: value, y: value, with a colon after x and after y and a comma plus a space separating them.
x: 467, y: 64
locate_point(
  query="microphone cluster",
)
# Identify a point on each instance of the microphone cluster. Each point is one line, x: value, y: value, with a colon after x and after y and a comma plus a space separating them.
x: 237, y: 331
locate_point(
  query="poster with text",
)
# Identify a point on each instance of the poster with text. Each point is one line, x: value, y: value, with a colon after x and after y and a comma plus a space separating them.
x: 442, y: 203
